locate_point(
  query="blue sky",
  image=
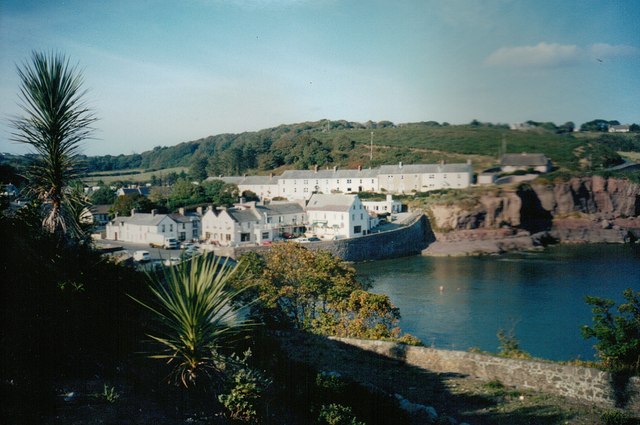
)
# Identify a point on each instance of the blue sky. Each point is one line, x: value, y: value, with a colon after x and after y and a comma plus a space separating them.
x: 164, y: 72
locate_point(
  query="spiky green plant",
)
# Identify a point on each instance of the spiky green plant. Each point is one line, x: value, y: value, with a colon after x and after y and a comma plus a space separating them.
x: 197, y: 316
x: 55, y: 121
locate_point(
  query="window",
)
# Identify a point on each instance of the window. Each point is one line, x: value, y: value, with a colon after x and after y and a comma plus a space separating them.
x: 361, y: 217
x: 195, y: 234
x: 348, y: 181
x: 353, y: 217
x: 228, y: 237
x: 269, y: 220
x: 357, y: 229
x: 184, y: 226
x: 306, y: 182
x: 171, y: 227
x: 163, y: 228
x: 265, y: 235
x: 245, y: 237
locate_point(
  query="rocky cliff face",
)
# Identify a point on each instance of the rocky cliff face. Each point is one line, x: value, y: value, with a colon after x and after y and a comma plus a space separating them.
x: 585, y: 209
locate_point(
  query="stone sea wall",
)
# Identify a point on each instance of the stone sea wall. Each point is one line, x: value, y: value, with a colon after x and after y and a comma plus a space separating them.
x: 579, y: 383
x: 410, y: 239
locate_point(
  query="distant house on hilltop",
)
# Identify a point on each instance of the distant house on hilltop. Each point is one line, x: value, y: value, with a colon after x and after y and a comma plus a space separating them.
x: 619, y: 128
x: 524, y: 161
x: 130, y: 191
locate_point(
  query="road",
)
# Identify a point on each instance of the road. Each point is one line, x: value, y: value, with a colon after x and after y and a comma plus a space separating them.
x: 130, y: 247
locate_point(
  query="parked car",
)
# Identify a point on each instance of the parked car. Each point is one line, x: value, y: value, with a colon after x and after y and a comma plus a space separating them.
x: 171, y: 243
x: 141, y: 256
x: 172, y: 261
x: 187, y: 245
x: 307, y: 240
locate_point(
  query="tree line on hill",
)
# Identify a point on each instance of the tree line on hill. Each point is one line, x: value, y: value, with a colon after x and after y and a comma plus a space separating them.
x: 306, y: 144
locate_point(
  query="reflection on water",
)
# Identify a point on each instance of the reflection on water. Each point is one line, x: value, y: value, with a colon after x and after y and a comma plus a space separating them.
x: 461, y: 302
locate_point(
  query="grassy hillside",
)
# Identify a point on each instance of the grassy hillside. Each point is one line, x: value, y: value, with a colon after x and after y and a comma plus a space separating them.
x: 347, y: 144
x: 130, y: 175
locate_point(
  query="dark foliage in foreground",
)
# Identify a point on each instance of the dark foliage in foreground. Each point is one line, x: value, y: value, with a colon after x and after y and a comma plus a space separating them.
x: 63, y: 310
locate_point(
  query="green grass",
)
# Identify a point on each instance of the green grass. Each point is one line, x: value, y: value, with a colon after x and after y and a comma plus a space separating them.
x: 132, y: 175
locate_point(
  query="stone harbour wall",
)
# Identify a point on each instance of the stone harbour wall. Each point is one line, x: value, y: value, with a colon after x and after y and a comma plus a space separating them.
x: 409, y: 239
x: 579, y: 383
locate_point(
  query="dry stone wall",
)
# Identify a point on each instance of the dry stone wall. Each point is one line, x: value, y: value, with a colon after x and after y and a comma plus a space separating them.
x: 580, y: 383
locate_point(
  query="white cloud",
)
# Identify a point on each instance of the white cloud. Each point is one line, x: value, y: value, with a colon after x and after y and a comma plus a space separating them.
x: 542, y: 55
x: 551, y: 55
x: 607, y: 51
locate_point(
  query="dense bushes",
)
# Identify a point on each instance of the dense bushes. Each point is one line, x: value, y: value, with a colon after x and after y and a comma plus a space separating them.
x: 618, y: 335
x: 63, y: 310
x: 315, y: 291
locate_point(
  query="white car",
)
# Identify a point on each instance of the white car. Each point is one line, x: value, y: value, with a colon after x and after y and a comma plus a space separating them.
x: 172, y: 261
x: 141, y: 256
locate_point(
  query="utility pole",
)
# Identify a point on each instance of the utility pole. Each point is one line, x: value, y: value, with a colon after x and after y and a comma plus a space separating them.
x: 371, y: 153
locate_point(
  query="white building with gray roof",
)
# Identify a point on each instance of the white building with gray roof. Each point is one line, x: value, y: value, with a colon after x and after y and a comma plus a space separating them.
x: 394, y: 179
x: 337, y: 216
x: 250, y: 223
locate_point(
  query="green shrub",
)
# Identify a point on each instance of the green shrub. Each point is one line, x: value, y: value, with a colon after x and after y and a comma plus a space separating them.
x: 510, y: 346
x: 245, y: 387
x: 337, y: 414
x: 617, y: 417
x: 331, y: 383
x: 618, y: 335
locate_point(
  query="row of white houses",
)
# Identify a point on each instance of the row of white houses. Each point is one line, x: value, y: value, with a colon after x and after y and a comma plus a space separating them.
x: 328, y: 216
x: 394, y: 179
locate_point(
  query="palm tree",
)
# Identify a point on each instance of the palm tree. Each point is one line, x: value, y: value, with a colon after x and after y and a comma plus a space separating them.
x: 55, y: 121
x: 197, y: 314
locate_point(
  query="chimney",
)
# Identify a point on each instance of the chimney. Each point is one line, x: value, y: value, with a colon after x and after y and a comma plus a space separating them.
x: 335, y: 168
x: 154, y: 212
x: 359, y: 167
x: 181, y: 210
x: 133, y: 212
x: 199, y: 210
x: 468, y: 162
x: 400, y: 164
x: 315, y: 168
x: 270, y: 175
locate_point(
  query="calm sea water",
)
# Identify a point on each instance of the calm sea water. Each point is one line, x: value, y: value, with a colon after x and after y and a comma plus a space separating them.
x: 540, y: 293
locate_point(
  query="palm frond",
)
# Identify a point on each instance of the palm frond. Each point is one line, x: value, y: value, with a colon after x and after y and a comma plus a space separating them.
x: 55, y: 121
x: 195, y: 307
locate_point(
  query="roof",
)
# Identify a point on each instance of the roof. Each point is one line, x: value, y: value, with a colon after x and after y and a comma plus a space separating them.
x: 144, y: 191
x: 333, y: 202
x: 187, y: 218
x: 100, y: 209
x: 330, y: 174
x: 524, y: 159
x: 242, y: 215
x: 142, y: 219
x: 425, y: 168
x: 280, y: 208
x: 257, y: 180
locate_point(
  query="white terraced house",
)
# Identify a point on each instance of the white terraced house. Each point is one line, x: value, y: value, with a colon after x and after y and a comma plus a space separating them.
x: 407, y: 178
x: 250, y: 223
x: 337, y: 216
x: 144, y: 227
x: 301, y: 184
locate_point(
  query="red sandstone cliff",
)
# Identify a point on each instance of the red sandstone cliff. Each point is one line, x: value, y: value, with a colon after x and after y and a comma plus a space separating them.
x: 586, y: 209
